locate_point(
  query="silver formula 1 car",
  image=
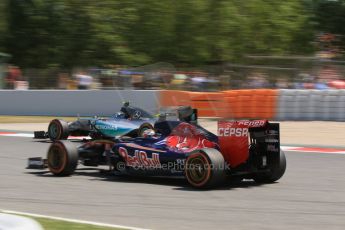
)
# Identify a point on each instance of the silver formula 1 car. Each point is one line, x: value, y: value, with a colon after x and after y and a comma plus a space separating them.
x: 130, y: 121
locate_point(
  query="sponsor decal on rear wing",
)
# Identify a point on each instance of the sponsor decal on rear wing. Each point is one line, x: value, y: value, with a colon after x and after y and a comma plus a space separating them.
x: 234, y: 139
x: 238, y: 128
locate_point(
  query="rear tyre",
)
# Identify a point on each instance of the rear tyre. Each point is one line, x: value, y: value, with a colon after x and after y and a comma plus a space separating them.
x: 62, y: 158
x: 144, y: 127
x: 205, y: 168
x: 58, y: 130
x: 277, y: 169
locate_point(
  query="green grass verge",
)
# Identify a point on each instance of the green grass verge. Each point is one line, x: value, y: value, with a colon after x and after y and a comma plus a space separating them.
x: 49, y: 224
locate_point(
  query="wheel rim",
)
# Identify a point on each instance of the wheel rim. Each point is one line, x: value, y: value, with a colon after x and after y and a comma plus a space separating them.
x: 56, y: 159
x: 54, y: 130
x: 198, y: 170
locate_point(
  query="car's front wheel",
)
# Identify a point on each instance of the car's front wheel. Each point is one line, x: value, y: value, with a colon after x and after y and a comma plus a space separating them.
x: 58, y: 130
x: 62, y: 158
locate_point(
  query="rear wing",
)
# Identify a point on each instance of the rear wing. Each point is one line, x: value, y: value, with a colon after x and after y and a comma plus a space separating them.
x: 236, y: 137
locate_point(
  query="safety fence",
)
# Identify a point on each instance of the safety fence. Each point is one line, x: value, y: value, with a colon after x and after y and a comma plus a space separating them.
x: 299, y: 105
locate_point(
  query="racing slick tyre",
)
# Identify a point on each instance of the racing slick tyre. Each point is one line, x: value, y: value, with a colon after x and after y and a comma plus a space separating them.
x: 205, y: 168
x: 144, y: 127
x: 58, y: 130
x: 62, y: 158
x: 277, y: 169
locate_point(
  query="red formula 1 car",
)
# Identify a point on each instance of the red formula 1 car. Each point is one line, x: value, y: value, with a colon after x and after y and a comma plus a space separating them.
x: 242, y: 149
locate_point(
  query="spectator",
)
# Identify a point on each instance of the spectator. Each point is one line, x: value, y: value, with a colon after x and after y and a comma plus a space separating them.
x: 199, y: 81
x: 320, y: 84
x: 137, y: 80
x: 224, y: 82
x: 282, y: 83
x: 13, y: 74
x: 179, y: 80
x: 329, y: 73
x: 63, y: 81
x: 84, y: 81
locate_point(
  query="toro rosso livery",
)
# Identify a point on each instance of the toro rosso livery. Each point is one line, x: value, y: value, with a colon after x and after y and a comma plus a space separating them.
x: 242, y: 149
x: 130, y: 121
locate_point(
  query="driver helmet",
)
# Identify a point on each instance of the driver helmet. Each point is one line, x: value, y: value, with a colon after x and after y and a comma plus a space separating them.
x: 148, y: 133
x: 120, y: 115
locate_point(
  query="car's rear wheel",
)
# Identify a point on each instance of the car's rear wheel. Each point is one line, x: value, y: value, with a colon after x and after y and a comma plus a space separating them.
x: 277, y: 167
x: 58, y: 130
x: 205, y: 168
x: 62, y: 158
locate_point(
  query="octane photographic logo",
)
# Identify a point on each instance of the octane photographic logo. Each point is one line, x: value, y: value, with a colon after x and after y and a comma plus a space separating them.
x: 180, y: 166
x: 140, y: 160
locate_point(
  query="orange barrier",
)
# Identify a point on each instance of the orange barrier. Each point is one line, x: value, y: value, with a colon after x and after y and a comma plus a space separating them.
x: 251, y: 104
x: 208, y: 104
x: 173, y: 98
x: 236, y: 104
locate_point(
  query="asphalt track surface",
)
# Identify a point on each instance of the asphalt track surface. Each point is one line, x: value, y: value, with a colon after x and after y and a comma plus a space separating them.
x: 311, y: 195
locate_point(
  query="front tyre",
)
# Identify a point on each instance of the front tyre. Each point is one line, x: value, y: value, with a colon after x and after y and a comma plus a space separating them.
x: 58, y: 130
x: 205, y: 168
x: 277, y: 169
x: 62, y: 158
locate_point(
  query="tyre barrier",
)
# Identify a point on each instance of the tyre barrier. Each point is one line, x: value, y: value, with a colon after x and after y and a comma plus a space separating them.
x: 322, y: 105
x: 208, y: 104
x: 251, y: 104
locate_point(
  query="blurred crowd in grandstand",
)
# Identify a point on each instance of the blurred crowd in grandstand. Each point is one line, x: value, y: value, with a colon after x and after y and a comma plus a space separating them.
x: 164, y: 76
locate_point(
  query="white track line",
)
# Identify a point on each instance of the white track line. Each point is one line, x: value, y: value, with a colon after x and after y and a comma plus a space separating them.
x: 17, y: 135
x: 71, y: 220
x: 312, y: 150
x: 12, y: 134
